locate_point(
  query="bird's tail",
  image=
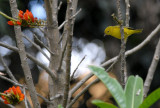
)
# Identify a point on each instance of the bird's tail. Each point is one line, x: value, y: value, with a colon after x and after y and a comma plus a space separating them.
x: 138, y: 30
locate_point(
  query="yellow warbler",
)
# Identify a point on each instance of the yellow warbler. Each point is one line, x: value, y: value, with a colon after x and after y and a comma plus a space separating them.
x: 115, y: 31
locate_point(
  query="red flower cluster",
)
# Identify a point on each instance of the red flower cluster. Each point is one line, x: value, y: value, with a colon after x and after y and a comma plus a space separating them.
x: 26, y: 19
x: 12, y: 96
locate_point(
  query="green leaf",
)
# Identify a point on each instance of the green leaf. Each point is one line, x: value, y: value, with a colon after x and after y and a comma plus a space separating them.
x: 134, y: 92
x: 60, y: 106
x: 102, y: 104
x: 112, y: 84
x: 151, y: 99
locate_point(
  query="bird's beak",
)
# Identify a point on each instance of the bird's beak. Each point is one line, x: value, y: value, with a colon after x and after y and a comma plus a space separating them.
x: 105, y: 35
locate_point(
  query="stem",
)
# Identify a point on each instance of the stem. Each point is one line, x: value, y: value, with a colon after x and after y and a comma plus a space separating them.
x: 152, y: 69
x: 8, y: 17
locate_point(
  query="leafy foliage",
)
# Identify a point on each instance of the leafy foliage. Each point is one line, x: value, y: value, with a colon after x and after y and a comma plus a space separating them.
x: 131, y: 97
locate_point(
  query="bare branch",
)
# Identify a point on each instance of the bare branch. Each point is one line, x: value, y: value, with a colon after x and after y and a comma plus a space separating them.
x: 82, y: 92
x: 7, y: 69
x: 41, y: 43
x: 59, y: 6
x: 60, y: 27
x: 152, y: 69
x: 77, y: 67
x: 79, y: 84
x: 76, y: 13
x: 25, y: 98
x: 57, y: 85
x: 36, y: 46
x: 56, y: 96
x: 68, y: 52
x: 127, y: 12
x: 11, y: 81
x: 62, y: 56
x: 123, y: 47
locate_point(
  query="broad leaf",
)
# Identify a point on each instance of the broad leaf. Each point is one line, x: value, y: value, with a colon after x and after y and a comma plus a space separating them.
x: 112, y: 84
x: 134, y: 92
x: 151, y: 99
x: 102, y: 104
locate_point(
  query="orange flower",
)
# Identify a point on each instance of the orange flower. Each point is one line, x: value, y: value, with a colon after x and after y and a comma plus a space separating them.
x: 20, y: 14
x: 28, y: 16
x: 10, y: 22
x: 18, y: 23
x: 12, y: 95
x: 26, y: 19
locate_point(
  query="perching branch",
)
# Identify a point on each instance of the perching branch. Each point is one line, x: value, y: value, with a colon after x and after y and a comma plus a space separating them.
x: 152, y: 69
x: 23, y: 57
x: 127, y: 12
x: 123, y: 46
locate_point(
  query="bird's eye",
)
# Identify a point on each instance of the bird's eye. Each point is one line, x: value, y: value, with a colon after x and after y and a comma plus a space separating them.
x: 108, y: 31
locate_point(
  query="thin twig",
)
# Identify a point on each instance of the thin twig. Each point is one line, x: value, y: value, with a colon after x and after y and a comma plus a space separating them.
x: 45, y: 100
x: 25, y: 98
x: 7, y: 69
x: 93, y: 82
x: 36, y: 46
x: 152, y: 69
x: 62, y: 56
x: 82, y: 92
x: 60, y: 27
x: 11, y: 81
x: 56, y: 96
x: 77, y: 67
x: 6, y: 16
x: 59, y: 6
x: 79, y: 84
x: 41, y: 31
x: 76, y: 13
x: 41, y: 43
